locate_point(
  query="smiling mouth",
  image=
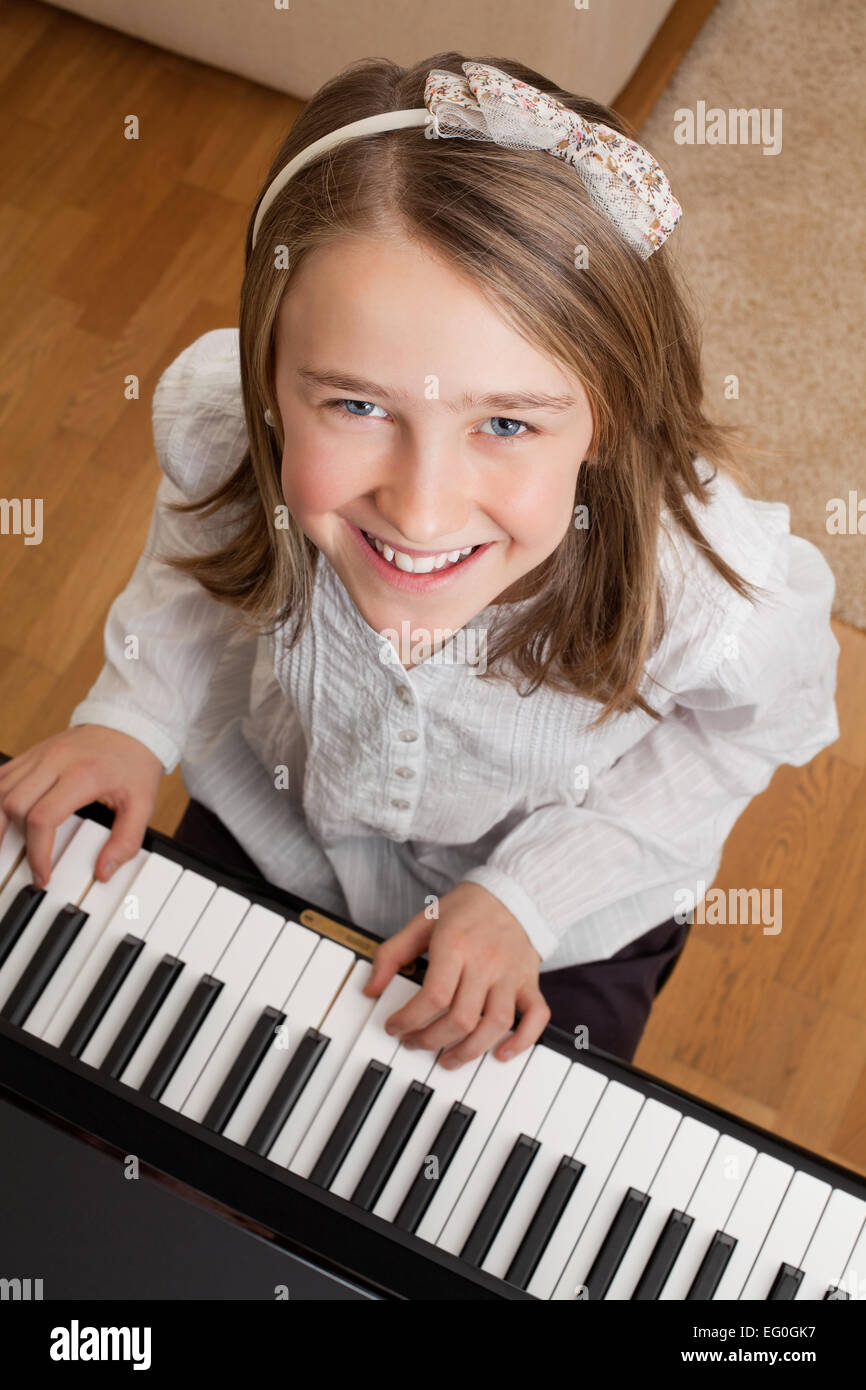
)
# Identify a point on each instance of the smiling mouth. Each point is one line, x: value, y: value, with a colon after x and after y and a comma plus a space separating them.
x: 418, y: 564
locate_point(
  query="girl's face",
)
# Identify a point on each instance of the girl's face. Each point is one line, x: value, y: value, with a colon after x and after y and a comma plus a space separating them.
x: 413, y: 412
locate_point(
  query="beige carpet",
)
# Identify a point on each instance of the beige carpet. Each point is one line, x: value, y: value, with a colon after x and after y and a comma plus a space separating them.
x: 773, y: 249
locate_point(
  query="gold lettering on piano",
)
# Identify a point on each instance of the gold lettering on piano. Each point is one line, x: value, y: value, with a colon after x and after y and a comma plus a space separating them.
x: 347, y: 936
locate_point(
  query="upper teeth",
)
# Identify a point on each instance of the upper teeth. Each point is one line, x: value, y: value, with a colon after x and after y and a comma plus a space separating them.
x: 419, y: 564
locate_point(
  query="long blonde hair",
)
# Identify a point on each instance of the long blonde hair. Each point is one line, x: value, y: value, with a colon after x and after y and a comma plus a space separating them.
x: 511, y: 220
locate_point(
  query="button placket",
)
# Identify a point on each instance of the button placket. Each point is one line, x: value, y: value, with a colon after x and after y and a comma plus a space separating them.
x: 407, y: 736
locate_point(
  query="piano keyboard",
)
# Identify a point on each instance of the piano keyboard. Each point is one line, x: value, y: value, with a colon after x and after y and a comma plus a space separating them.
x: 215, y: 1033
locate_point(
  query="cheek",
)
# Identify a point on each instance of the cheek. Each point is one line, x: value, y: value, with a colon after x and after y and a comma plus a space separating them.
x: 540, y: 507
x: 313, y: 482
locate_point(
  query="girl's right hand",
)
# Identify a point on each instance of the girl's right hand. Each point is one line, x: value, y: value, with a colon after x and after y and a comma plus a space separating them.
x: 88, y: 762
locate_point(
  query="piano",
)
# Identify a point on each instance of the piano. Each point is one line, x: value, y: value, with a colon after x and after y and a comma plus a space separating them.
x: 215, y: 1035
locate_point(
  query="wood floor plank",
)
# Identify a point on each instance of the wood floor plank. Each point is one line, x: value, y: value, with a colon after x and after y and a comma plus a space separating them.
x: 850, y: 746
x: 816, y: 962
x: 22, y: 28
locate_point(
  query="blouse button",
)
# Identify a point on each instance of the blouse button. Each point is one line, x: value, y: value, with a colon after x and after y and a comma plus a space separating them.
x: 400, y: 803
x: 404, y: 695
x: 405, y: 771
x: 408, y: 735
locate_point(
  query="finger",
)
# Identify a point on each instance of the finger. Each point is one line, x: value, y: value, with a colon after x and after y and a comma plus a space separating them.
x: 39, y: 778
x: 11, y: 774
x: 461, y: 1019
x: 14, y: 770
x: 127, y: 833
x: 496, y: 1021
x: 432, y: 999
x: 67, y: 795
x: 19, y: 806
x: 24, y: 790
x: 534, y: 1018
x: 401, y: 949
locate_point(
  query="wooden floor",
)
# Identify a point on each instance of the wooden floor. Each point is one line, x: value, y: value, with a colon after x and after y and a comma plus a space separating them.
x: 116, y: 254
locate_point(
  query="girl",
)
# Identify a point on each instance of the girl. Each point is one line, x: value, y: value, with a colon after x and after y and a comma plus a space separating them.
x: 451, y: 609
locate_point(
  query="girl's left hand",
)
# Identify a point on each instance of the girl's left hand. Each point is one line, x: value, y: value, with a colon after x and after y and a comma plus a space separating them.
x: 481, y: 967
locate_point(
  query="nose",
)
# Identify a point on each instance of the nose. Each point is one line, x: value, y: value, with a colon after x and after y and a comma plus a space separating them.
x: 423, y: 500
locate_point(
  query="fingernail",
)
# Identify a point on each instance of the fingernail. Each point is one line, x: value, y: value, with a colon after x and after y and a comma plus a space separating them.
x: 39, y: 880
x: 108, y: 869
x: 410, y: 1043
x: 507, y: 1053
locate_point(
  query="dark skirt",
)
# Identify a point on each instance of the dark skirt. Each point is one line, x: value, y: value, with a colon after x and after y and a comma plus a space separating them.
x: 605, y: 1002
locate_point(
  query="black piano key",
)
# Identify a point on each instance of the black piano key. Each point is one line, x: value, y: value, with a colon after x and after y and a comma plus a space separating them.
x: 192, y: 1016
x: 445, y: 1146
x: 144, y: 1010
x: 345, y: 1132
x: 835, y: 1293
x: 287, y: 1092
x: 502, y: 1194
x: 259, y: 1039
x: 616, y: 1242
x: 785, y: 1284
x: 17, y: 915
x: 43, y: 963
x: 544, y: 1222
x: 92, y: 1011
x: 706, y: 1281
x: 391, y: 1145
x: 665, y: 1251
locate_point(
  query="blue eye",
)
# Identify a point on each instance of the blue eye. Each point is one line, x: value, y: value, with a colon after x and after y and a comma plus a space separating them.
x: 335, y: 405
x: 338, y: 404
x: 508, y: 420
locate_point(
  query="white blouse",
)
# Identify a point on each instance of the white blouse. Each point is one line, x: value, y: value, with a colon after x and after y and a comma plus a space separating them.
x: 366, y: 788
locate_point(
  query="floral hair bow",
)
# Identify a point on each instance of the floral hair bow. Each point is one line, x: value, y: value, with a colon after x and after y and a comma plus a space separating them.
x: 621, y: 177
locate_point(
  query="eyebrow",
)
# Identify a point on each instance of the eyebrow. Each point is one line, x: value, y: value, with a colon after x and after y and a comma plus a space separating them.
x: 505, y: 400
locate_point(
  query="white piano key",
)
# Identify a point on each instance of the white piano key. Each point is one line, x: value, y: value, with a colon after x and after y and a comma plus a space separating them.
x: 671, y: 1190
x: 636, y: 1166
x: 449, y: 1084
x: 340, y: 1018
x: 831, y: 1245
x: 272, y: 987
x: 154, y: 879
x: 237, y: 969
x: 101, y: 903
x: 558, y: 1136
x: 854, y: 1276
x: 598, y: 1149
x: 488, y: 1095
x: 71, y: 873
x: 201, y: 954
x: 11, y: 850
x: 750, y: 1220
x: 789, y: 1236
x: 523, y: 1113
x: 370, y: 1042
x: 718, y: 1189
x: 167, y: 936
x: 407, y: 1065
